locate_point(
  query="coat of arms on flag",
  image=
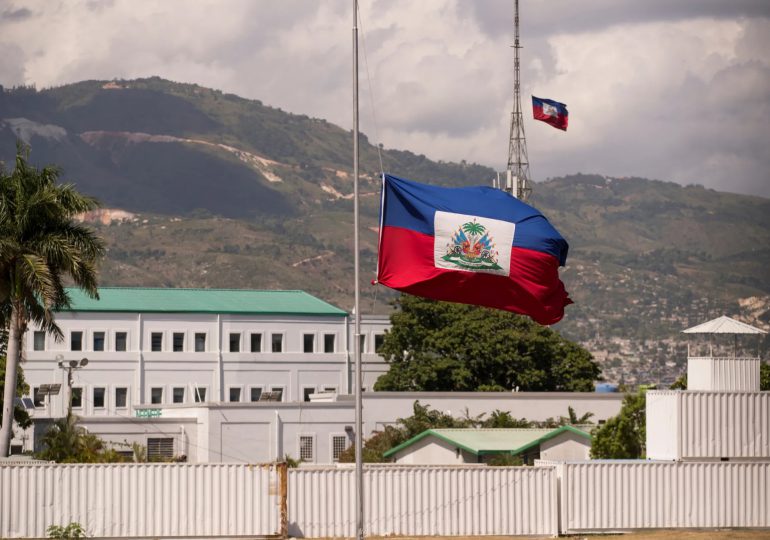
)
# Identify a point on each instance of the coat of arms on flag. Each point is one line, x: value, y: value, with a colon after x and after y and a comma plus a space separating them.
x: 474, y: 245
x: 469, y: 243
x: 551, y: 112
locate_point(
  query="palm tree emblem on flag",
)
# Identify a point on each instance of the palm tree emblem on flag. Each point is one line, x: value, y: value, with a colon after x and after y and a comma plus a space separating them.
x: 472, y: 248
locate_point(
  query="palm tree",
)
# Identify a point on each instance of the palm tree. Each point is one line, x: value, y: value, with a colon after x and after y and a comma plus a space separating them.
x: 40, y: 245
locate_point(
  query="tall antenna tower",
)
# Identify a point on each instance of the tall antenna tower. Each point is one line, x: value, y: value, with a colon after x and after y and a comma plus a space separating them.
x: 516, y: 177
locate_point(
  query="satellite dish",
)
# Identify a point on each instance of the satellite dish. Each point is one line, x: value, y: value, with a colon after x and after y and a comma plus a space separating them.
x: 84, y: 362
x: 73, y: 363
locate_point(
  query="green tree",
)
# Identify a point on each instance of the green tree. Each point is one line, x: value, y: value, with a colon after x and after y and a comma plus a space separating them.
x: 504, y: 419
x: 574, y: 420
x: 441, y: 346
x: 423, y: 418
x: 622, y: 436
x: 67, y: 442
x: 680, y: 383
x: 40, y: 244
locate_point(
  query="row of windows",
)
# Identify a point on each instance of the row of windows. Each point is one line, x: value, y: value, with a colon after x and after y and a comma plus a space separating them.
x: 163, y: 448
x: 178, y: 342
x: 178, y: 394
x: 98, y: 397
x: 339, y: 444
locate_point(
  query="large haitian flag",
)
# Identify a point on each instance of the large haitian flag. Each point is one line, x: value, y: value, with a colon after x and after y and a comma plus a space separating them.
x: 551, y: 112
x: 474, y: 245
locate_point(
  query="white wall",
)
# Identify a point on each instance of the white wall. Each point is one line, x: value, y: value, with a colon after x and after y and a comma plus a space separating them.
x: 566, y: 446
x: 383, y: 408
x: 433, y: 451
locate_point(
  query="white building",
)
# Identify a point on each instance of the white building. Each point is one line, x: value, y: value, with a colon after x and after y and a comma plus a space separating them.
x: 462, y: 446
x: 176, y: 346
x: 227, y: 375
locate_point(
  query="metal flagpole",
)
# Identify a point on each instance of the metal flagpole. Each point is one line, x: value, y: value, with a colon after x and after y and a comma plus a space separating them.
x: 356, y: 308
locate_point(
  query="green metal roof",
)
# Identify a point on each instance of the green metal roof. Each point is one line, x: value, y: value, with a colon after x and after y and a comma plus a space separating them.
x: 226, y: 301
x: 490, y: 441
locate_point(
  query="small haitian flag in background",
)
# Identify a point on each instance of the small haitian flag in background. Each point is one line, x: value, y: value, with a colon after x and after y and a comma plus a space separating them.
x: 551, y: 112
x: 473, y: 245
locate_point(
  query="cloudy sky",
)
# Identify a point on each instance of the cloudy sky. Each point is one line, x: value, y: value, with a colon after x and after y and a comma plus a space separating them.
x: 667, y: 89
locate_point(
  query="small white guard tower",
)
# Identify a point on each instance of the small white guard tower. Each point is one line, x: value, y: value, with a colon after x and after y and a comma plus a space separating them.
x: 720, y: 361
x: 722, y: 416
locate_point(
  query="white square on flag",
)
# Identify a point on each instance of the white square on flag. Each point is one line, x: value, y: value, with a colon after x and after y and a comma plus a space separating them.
x: 472, y: 243
x: 550, y: 110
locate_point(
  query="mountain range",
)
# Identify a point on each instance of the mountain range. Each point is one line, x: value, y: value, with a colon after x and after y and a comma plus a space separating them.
x: 206, y: 189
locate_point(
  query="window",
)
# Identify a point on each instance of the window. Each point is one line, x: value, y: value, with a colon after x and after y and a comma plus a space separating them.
x: 99, y: 398
x: 178, y: 343
x: 256, y: 342
x: 235, y: 343
x: 98, y: 341
x: 156, y: 395
x: 76, y: 341
x: 156, y: 341
x: 339, y: 444
x: 255, y: 394
x: 308, y: 343
x: 200, y: 342
x: 121, y: 397
x: 278, y: 391
x: 379, y: 339
x: 306, y: 448
x: 177, y: 394
x: 120, y: 341
x: 330, y: 389
x: 37, y: 399
x: 362, y: 343
x: 200, y: 395
x: 276, y: 341
x: 159, y: 449
x: 328, y: 343
x: 76, y: 398
x: 235, y: 394
x: 306, y: 392
x: 38, y: 341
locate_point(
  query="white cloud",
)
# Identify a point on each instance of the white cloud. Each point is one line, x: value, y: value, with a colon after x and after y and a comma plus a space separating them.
x: 675, y: 91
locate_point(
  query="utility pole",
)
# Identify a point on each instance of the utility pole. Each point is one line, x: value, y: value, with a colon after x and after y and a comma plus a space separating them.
x: 517, y: 181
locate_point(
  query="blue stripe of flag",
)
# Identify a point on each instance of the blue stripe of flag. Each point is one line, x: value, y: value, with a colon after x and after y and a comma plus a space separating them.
x: 412, y: 205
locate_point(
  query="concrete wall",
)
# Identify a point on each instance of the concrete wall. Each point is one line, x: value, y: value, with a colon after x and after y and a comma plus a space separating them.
x: 566, y: 446
x: 383, y: 408
x: 434, y: 451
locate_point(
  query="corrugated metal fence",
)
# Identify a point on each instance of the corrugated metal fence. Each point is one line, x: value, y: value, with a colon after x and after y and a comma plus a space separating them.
x: 228, y: 500
x: 602, y: 496
x: 424, y: 501
x: 143, y: 500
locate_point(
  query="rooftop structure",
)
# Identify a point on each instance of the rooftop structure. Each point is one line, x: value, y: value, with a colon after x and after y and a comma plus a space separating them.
x: 467, y: 445
x: 223, y: 301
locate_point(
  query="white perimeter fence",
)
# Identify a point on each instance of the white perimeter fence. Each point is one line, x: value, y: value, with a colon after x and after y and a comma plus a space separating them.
x: 607, y: 495
x: 224, y: 500
x: 143, y: 500
x: 418, y: 501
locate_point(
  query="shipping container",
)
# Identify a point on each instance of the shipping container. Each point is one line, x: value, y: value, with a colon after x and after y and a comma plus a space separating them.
x: 419, y: 501
x: 601, y: 496
x: 691, y: 425
x: 142, y: 500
